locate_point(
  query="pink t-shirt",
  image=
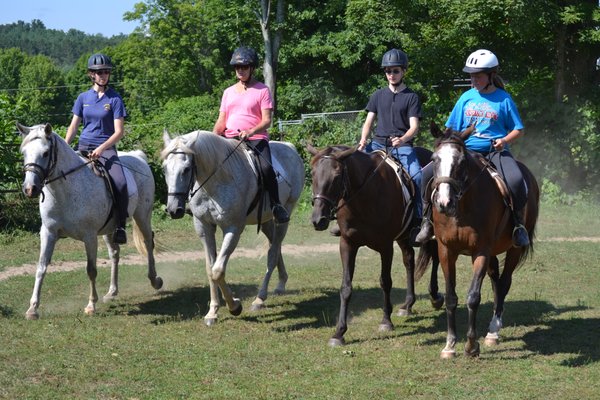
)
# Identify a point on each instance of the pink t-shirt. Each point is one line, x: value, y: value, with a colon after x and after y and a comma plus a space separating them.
x: 244, y: 110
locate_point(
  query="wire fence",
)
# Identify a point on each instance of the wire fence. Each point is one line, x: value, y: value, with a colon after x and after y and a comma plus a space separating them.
x: 334, y: 116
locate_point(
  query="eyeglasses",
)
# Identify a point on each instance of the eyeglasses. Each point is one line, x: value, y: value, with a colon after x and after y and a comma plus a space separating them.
x: 242, y: 67
x: 394, y: 71
x: 102, y: 72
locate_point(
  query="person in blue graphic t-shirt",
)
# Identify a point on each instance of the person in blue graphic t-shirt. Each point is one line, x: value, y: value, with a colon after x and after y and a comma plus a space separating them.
x: 103, y: 113
x: 494, y: 115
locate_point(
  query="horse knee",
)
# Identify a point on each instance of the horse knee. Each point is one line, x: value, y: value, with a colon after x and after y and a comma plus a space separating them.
x: 473, y: 300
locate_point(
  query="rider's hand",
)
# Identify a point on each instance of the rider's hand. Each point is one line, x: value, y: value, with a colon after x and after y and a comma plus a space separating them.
x: 499, y: 144
x: 397, y: 141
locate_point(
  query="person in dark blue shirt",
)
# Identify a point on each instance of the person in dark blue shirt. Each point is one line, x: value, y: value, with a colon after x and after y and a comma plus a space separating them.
x: 103, y: 113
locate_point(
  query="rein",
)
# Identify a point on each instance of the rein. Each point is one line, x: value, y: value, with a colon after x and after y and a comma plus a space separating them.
x: 44, y: 173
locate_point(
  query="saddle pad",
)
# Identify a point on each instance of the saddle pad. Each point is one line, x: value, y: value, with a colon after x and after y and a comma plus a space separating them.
x: 131, y: 185
x: 277, y: 167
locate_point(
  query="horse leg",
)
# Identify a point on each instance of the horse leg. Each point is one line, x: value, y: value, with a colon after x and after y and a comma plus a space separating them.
x: 491, y: 338
x: 273, y: 232
x: 385, y: 281
x: 218, y: 270
x: 113, y: 255
x: 47, y: 242
x: 437, y: 299
x: 91, y: 250
x: 206, y: 232
x: 408, y: 258
x: 504, y: 282
x: 480, y: 265
x: 348, y: 255
x: 448, y: 261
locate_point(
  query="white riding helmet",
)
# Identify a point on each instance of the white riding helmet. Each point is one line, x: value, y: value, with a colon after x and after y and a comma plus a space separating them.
x: 481, y: 61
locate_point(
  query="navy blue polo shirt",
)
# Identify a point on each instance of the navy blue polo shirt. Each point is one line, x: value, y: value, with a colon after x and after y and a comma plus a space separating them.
x: 98, y: 115
x: 394, y: 111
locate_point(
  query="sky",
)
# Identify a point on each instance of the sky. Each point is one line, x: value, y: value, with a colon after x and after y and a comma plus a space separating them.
x: 104, y: 17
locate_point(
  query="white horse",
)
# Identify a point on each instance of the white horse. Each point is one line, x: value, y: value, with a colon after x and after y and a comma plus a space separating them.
x: 224, y: 189
x: 76, y: 203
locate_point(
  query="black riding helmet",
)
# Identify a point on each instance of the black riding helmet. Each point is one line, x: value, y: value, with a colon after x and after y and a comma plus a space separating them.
x: 99, y: 61
x: 394, y: 58
x: 244, y: 56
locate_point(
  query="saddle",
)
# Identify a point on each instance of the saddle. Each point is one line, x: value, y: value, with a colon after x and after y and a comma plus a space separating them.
x: 493, y: 172
x: 409, y: 190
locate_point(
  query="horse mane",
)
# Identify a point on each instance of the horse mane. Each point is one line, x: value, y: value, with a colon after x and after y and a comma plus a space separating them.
x: 38, y: 132
x: 213, y: 149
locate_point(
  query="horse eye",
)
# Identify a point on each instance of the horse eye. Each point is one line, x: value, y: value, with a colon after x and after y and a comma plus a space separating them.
x: 45, y: 154
x: 186, y: 170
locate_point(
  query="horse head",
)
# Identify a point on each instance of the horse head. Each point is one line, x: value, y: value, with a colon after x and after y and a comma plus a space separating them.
x: 179, y: 169
x: 39, y: 157
x: 450, y: 168
x: 329, y: 182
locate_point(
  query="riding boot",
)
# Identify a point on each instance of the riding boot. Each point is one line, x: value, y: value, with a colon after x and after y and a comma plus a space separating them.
x: 520, y: 237
x: 120, y: 236
x: 426, y: 232
x: 280, y: 214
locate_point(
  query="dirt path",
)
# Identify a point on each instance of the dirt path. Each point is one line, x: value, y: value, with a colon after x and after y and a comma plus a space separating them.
x: 167, y: 257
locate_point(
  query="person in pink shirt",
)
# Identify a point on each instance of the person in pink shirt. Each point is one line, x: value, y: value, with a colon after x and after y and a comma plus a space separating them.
x: 245, y: 114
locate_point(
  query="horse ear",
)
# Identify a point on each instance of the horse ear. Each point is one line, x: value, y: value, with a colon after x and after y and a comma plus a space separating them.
x: 312, y: 150
x: 467, y: 132
x: 435, y: 130
x: 23, y: 130
x: 48, y: 130
x: 346, y: 153
x: 166, y: 137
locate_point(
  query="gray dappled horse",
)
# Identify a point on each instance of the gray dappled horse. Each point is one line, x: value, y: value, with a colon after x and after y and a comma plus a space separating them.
x: 224, y: 190
x: 76, y: 203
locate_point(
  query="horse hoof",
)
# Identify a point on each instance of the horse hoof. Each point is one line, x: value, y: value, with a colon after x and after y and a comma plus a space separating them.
x: 32, y: 316
x: 491, y: 340
x: 438, y: 302
x: 447, y: 354
x: 210, y: 321
x: 472, y: 352
x: 109, y: 297
x: 89, y: 311
x: 386, y: 327
x: 238, y: 308
x: 158, y: 283
x: 335, y: 342
x: 279, y: 292
x: 403, y: 312
x: 256, y: 307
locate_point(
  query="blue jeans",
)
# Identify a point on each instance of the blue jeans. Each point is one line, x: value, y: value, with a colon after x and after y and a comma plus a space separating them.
x: 406, y: 156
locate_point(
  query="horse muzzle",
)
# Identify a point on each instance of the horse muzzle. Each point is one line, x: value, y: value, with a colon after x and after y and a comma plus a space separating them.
x: 31, y: 191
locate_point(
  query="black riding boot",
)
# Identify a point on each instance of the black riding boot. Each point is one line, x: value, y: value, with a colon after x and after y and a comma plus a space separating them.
x: 280, y: 214
x: 520, y: 237
x: 426, y: 232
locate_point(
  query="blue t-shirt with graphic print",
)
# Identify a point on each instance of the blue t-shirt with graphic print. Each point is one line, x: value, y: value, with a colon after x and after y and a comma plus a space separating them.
x: 98, y: 115
x: 494, y: 115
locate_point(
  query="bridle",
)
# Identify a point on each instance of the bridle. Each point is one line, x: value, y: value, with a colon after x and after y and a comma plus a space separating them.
x: 188, y: 191
x: 326, y: 199
x: 345, y: 193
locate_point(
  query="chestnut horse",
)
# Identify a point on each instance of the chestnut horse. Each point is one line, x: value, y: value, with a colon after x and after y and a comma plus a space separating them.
x: 365, y: 195
x: 470, y: 217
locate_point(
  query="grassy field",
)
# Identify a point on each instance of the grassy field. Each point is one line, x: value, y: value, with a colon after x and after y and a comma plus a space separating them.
x: 154, y: 345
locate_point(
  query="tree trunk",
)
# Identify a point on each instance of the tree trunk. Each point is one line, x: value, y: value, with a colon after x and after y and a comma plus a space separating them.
x: 272, y: 40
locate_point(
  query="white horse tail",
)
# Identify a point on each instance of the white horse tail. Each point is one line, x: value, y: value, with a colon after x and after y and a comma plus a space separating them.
x: 138, y: 239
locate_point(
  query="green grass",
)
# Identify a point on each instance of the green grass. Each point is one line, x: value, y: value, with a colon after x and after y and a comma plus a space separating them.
x: 154, y: 345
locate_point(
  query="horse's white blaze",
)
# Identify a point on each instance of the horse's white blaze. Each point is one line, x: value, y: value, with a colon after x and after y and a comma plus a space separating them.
x: 447, y: 156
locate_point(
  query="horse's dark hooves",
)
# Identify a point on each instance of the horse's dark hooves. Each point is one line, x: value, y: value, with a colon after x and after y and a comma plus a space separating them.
x: 386, y: 327
x: 438, y: 301
x: 158, y: 283
x: 335, y: 342
x: 237, y: 310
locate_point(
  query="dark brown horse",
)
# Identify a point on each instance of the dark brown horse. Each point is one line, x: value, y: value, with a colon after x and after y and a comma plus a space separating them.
x: 363, y: 192
x: 470, y: 218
